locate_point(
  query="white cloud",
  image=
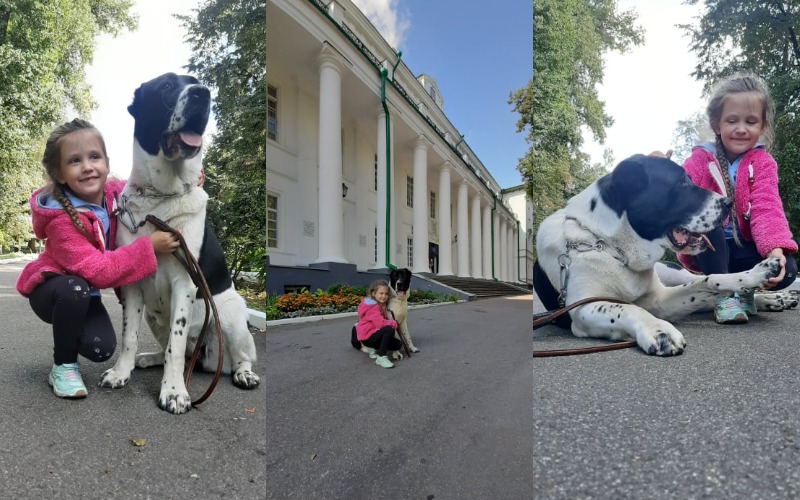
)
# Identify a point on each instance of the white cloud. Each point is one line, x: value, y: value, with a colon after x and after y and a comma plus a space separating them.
x: 386, y: 18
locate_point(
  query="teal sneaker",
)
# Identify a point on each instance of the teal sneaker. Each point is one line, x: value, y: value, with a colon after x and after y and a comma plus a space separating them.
x: 383, y: 362
x: 747, y: 300
x: 728, y: 311
x: 372, y: 353
x: 66, y: 381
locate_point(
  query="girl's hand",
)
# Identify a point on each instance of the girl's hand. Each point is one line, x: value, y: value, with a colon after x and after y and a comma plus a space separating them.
x: 777, y: 253
x: 164, y: 243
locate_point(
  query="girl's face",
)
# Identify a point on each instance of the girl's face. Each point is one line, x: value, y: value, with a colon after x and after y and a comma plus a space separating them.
x: 82, y: 165
x: 741, y: 123
x: 381, y: 295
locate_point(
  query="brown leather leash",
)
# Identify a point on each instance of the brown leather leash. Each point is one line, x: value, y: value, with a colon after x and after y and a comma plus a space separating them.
x: 193, y: 268
x: 547, y: 317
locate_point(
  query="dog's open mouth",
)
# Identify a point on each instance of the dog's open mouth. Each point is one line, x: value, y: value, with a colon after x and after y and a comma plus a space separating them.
x: 400, y: 293
x: 184, y: 141
x: 682, y: 238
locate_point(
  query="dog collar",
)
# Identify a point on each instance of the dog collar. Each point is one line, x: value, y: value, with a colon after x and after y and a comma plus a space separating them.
x: 151, y: 192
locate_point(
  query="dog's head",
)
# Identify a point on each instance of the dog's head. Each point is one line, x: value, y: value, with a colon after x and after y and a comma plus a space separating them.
x: 661, y: 202
x: 400, y: 281
x: 171, y: 113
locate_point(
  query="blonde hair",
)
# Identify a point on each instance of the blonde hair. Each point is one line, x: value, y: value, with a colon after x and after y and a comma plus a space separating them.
x: 373, y: 287
x: 741, y: 83
x: 51, y: 161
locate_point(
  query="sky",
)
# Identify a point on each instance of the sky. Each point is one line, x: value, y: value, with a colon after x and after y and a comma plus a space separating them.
x: 648, y: 90
x: 478, y: 53
x: 121, y: 64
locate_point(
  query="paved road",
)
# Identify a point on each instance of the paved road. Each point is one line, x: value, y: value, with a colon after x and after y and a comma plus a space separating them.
x: 451, y: 422
x: 721, y: 421
x: 55, y: 448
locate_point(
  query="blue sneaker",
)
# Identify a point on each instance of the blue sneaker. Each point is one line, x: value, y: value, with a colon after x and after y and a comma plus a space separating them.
x: 729, y: 311
x: 66, y: 381
x: 748, y: 302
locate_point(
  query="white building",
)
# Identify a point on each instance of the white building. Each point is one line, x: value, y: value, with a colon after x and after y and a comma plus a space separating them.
x: 522, y: 207
x: 364, y: 169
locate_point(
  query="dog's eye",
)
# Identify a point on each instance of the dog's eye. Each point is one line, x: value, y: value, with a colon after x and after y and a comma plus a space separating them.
x: 166, y: 86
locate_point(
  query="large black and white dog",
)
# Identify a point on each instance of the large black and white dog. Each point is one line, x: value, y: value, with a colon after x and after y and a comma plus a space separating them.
x: 607, y: 241
x: 171, y: 113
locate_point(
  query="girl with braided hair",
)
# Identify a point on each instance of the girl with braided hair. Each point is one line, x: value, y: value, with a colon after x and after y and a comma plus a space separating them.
x: 74, y: 213
x: 736, y: 165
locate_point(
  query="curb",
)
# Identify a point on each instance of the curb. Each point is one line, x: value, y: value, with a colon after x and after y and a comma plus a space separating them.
x: 310, y: 319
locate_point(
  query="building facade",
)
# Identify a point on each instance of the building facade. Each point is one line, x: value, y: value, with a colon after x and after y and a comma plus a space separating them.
x: 364, y: 170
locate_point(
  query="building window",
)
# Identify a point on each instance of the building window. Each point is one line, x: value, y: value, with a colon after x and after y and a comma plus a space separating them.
x: 410, y: 249
x: 410, y: 192
x: 375, y: 172
x: 433, y: 205
x: 272, y: 112
x: 272, y: 221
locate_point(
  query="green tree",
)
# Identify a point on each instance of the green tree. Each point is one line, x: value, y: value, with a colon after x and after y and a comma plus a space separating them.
x: 44, y: 46
x: 570, y: 37
x: 228, y: 38
x: 762, y: 37
x: 689, y: 132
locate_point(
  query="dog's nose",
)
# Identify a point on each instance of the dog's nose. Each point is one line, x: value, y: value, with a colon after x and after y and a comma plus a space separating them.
x: 199, y: 92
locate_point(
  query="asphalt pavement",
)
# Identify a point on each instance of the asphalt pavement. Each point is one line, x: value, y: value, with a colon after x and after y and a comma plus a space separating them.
x: 453, y: 421
x: 117, y: 444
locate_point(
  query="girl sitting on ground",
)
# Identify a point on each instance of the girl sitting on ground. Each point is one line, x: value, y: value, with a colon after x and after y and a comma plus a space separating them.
x: 373, y: 329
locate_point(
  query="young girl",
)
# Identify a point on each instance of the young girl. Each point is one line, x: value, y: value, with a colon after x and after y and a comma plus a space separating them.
x: 737, y: 166
x: 373, y: 329
x: 74, y: 214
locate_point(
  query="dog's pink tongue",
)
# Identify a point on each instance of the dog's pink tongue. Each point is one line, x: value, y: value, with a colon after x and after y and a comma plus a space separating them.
x: 191, y: 139
x: 400, y: 293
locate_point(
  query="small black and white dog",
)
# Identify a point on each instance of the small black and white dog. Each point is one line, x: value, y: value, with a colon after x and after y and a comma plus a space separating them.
x: 171, y: 113
x: 399, y: 289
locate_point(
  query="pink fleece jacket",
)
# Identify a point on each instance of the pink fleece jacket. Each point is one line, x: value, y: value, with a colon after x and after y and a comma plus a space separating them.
x: 68, y: 252
x: 371, y: 319
x: 759, y: 210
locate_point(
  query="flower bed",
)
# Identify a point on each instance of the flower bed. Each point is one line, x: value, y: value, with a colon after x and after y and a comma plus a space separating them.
x: 336, y: 299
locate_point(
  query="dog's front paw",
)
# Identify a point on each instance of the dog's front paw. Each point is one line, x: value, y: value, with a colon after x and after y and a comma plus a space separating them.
x: 772, y: 302
x: 115, y: 378
x: 413, y: 348
x: 397, y: 355
x: 174, y: 401
x: 665, y: 340
x: 766, y: 269
x: 246, y: 379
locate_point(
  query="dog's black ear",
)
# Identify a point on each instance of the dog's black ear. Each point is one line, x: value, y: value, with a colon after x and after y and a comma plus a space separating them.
x: 626, y: 180
x: 132, y: 108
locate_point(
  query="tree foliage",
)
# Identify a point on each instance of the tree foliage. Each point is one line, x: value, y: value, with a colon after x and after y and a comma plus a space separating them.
x: 762, y: 37
x: 570, y: 37
x: 44, y: 46
x: 228, y: 38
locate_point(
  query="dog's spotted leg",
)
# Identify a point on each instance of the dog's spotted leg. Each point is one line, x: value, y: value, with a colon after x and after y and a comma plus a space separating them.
x: 132, y: 306
x: 625, y: 322
x: 174, y: 397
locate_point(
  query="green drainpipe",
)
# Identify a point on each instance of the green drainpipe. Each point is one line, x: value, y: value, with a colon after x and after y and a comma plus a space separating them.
x: 494, y: 207
x: 384, y: 74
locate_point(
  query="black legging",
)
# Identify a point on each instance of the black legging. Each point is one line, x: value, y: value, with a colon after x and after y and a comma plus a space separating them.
x: 383, y: 340
x: 730, y: 258
x: 80, y: 322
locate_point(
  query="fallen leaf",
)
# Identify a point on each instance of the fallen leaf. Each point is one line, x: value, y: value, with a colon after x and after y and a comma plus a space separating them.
x: 314, y: 456
x: 138, y: 442
x: 250, y: 410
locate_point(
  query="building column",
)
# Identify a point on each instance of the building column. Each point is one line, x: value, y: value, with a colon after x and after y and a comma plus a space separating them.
x: 445, y: 255
x: 501, y: 238
x: 463, y: 230
x: 512, y: 252
x: 386, y: 236
x: 330, y: 234
x: 420, y: 211
x: 475, y: 236
x: 487, y: 242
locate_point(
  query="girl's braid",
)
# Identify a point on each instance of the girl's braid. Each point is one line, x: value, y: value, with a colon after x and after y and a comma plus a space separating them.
x: 58, y: 194
x: 723, y: 166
